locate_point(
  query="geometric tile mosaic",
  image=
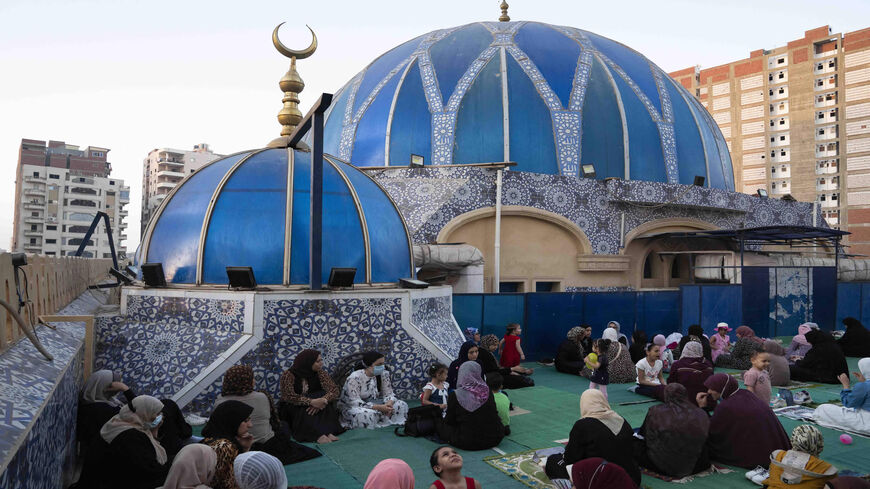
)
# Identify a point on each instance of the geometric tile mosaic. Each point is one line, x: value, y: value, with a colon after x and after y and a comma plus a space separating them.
x: 433, y: 317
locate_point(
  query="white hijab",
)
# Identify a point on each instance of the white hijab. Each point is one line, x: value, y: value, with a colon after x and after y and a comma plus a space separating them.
x: 864, y: 367
x: 95, y: 388
x: 610, y: 334
x: 259, y: 470
x: 147, y: 408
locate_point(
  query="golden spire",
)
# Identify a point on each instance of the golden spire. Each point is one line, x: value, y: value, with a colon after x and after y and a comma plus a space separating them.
x: 291, y: 84
x: 504, y: 16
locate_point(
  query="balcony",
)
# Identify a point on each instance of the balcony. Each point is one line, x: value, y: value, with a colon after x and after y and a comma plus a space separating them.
x: 778, y: 93
x: 34, y: 191
x: 826, y: 100
x: 166, y: 185
x: 826, y: 83
x: 826, y: 116
x: 780, y: 190
x: 33, y: 247
x: 830, y: 150
x: 825, y: 66
x: 29, y: 232
x: 34, y: 206
x: 833, y: 221
x: 780, y: 140
x: 34, y: 219
x: 829, y: 184
x: 826, y: 133
x: 170, y: 173
x: 826, y: 168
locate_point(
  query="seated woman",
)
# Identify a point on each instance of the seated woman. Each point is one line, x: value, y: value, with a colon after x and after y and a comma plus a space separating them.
x: 599, y: 432
x: 308, y: 397
x: 854, y: 414
x: 597, y: 473
x: 691, y: 370
x: 228, y: 434
x: 650, y: 380
x: 637, y: 350
x: 238, y: 385
x: 823, y: 363
x: 614, y: 325
x: 390, y: 473
x: 799, y: 345
x: 696, y: 333
x: 135, y: 457
x: 194, y: 466
x: 472, y: 421
x: 259, y: 470
x: 780, y: 374
x: 569, y: 357
x: 513, y: 377
x: 743, y: 429
x: 800, y: 466
x: 674, y: 436
x: 619, y: 366
x: 467, y: 352
x: 98, y: 404
x: 740, y: 355
x: 367, y: 399
x: 856, y: 341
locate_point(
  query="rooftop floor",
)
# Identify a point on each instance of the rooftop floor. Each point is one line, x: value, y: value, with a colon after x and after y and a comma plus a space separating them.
x: 554, y: 405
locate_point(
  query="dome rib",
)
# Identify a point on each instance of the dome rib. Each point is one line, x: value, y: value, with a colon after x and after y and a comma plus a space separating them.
x: 200, y: 254
x: 288, y: 215
x: 362, y: 219
x: 621, y: 106
x: 393, y: 110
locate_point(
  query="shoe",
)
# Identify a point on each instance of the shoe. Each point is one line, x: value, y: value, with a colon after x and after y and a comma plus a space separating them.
x: 802, y: 397
x: 194, y: 420
x: 761, y: 477
x: 752, y: 473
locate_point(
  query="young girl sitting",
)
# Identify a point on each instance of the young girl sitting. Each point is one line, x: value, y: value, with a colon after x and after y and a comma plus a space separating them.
x: 720, y: 342
x: 757, y: 379
x: 435, y: 391
x: 447, y: 465
x: 600, y: 377
x: 511, y: 351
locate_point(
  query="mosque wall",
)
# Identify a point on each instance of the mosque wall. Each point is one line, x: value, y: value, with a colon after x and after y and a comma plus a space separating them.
x: 444, y: 204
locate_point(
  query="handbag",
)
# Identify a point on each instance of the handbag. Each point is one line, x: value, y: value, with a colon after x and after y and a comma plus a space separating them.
x: 421, y: 421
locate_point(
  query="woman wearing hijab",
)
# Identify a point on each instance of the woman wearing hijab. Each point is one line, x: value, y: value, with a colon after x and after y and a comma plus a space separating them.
x: 801, y: 466
x: 637, y: 350
x: 599, y: 432
x: 513, y: 377
x: 674, y: 436
x: 691, y: 370
x: 228, y: 433
x: 739, y: 356
x: 619, y: 365
x: 823, y: 363
x: 468, y: 351
x: 856, y: 341
x: 135, y: 457
x: 367, y: 399
x: 238, y: 385
x: 391, y: 473
x: 614, y: 325
x: 308, y: 397
x: 778, y: 368
x: 569, y: 357
x: 98, y: 404
x: 472, y: 421
x: 696, y: 333
x: 743, y: 429
x: 193, y: 468
x: 259, y: 470
x: 854, y: 414
x: 597, y: 473
x: 799, y: 345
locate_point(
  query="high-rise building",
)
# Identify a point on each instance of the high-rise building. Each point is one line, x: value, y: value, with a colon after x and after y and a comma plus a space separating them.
x: 797, y: 122
x: 163, y: 169
x: 59, y: 189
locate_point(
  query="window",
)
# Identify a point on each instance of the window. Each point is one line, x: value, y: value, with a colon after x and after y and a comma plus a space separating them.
x: 821, y: 132
x: 782, y: 138
x: 647, y: 266
x: 34, y: 214
x: 111, y: 182
x: 49, y: 253
x: 50, y: 241
x: 33, y: 227
x: 51, y: 228
x: 36, y: 174
x: 507, y: 287
x: 772, y: 169
x: 546, y: 286
x: 52, y: 175
x: 32, y: 240
x: 675, y: 267
x: 782, y: 122
x: 773, y: 186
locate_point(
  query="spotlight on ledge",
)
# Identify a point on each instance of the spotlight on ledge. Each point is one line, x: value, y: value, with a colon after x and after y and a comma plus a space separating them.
x: 152, y: 274
x: 410, y: 283
x: 417, y: 161
x: 341, y: 277
x: 699, y: 181
x: 588, y: 171
x: 241, y: 278
x: 762, y: 193
x: 788, y: 198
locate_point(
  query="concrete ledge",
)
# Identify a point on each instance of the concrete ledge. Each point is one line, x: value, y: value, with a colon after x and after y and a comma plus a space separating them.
x: 603, y: 263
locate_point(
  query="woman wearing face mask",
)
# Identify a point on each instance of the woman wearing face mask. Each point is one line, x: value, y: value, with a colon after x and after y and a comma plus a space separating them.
x: 228, y: 433
x: 367, y: 399
x: 135, y: 458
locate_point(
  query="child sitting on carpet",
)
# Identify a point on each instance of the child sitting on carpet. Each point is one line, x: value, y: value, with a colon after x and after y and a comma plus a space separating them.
x: 511, y: 350
x: 494, y: 380
x: 447, y: 465
x: 757, y: 379
x: 435, y: 391
x: 799, y: 467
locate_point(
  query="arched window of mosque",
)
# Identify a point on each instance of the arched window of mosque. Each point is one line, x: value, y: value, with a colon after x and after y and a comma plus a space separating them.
x: 647, y: 266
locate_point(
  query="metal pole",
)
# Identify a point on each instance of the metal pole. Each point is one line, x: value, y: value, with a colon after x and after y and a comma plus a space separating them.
x: 497, y: 245
x: 741, y: 258
x: 316, y: 251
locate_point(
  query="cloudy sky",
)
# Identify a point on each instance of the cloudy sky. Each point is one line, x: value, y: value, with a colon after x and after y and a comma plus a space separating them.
x: 133, y: 76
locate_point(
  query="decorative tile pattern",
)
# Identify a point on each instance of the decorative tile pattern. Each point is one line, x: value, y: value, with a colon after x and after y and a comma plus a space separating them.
x: 433, y: 317
x: 226, y: 315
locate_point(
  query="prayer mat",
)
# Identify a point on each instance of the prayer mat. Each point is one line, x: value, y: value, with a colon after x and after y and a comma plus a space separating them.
x: 714, y: 469
x: 792, y: 385
x: 518, y: 411
x: 526, y: 467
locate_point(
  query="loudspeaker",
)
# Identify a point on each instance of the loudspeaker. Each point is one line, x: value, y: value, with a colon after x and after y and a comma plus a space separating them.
x: 341, y: 277
x: 152, y: 274
x: 410, y: 283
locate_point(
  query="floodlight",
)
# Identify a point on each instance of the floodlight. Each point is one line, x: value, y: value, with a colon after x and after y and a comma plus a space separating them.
x: 153, y: 275
x: 241, y: 278
x: 588, y: 171
x: 762, y: 193
x: 699, y: 181
x: 417, y: 160
x: 341, y: 277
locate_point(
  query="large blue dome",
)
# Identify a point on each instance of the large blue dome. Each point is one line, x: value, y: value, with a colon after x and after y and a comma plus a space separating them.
x: 548, y: 97
x: 234, y: 212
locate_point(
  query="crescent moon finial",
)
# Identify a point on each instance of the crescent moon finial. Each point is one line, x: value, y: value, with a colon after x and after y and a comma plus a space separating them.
x: 292, y: 53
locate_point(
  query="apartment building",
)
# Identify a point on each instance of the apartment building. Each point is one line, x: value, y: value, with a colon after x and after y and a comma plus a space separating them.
x: 163, y: 169
x: 797, y: 122
x: 59, y: 188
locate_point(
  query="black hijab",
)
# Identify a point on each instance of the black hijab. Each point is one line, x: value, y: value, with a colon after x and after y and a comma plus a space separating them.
x: 676, y: 432
x: 301, y: 369
x: 856, y: 341
x: 637, y: 350
x: 453, y: 370
x: 225, y: 420
x: 825, y: 357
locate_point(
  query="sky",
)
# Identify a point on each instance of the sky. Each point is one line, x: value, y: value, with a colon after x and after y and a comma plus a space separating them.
x: 133, y: 76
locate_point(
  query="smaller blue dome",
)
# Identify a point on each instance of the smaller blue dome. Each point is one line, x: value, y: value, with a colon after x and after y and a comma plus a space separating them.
x: 253, y: 209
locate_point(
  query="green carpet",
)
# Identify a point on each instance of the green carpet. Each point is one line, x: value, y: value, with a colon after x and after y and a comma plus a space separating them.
x: 555, y: 405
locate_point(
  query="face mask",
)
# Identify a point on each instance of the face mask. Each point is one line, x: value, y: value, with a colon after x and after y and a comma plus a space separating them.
x: 156, y: 421
x: 378, y: 370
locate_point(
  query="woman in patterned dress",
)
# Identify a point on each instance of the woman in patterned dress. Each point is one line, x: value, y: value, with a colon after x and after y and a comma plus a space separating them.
x: 308, y: 398
x: 367, y: 399
x: 227, y: 432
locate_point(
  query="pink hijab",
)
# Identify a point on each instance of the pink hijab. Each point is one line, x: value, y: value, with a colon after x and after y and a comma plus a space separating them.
x: 391, y: 473
x: 471, y: 390
x: 801, y: 338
